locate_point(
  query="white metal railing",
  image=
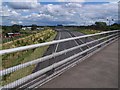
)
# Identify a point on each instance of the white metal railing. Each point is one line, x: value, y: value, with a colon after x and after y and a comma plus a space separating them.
x: 12, y: 69
x: 2, y: 52
x: 110, y: 36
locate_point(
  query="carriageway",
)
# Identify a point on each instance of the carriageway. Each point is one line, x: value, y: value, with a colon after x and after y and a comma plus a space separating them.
x: 97, y: 69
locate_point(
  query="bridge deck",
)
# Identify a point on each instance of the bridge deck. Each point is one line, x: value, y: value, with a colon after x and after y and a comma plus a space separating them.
x: 98, y: 71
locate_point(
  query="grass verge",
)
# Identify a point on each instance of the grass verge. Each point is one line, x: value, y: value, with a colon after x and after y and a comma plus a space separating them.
x: 88, y: 31
x: 37, y: 53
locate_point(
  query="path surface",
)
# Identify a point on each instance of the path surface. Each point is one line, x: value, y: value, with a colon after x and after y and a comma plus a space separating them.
x: 98, y: 71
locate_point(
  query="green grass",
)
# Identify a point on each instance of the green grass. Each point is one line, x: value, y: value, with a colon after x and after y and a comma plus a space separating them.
x: 88, y: 31
x: 29, y: 56
x: 24, y: 33
x: 5, y: 40
x: 17, y: 75
x: 13, y: 59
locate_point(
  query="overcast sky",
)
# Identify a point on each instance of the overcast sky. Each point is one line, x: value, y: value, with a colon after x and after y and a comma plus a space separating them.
x: 53, y: 12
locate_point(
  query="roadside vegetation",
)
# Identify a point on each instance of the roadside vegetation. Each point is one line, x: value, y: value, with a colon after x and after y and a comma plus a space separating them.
x: 17, y: 58
x: 35, y: 36
x: 95, y: 28
x: 16, y: 29
x: 88, y: 31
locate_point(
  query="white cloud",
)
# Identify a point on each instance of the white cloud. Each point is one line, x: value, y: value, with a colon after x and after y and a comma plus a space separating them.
x: 20, y: 22
x: 13, y: 22
x: 15, y: 13
x: 83, y: 0
x: 16, y: 22
x: 37, y: 16
x: 6, y: 11
x: 23, y: 4
x: 68, y: 13
x: 74, y: 5
x: 71, y: 0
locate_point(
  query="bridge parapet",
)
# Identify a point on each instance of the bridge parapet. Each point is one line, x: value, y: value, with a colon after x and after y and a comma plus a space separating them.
x: 101, y: 40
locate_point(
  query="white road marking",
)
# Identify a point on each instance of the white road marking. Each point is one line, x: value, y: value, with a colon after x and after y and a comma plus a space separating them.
x: 76, y: 42
x: 81, y: 40
x: 57, y: 43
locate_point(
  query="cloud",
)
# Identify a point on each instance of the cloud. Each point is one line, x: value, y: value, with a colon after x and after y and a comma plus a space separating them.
x: 102, y: 0
x: 74, y: 5
x: 65, y: 13
x: 23, y: 4
x: 16, y: 22
x: 37, y: 16
x: 6, y: 11
x: 71, y: 0
x: 78, y: 0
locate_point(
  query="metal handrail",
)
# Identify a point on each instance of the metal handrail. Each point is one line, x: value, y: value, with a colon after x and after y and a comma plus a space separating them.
x: 55, y: 65
x: 110, y: 36
x: 15, y: 68
x: 7, y: 51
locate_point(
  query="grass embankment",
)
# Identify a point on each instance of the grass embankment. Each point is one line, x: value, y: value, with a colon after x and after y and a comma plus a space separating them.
x: 88, y: 31
x: 23, y: 33
x: 5, y: 40
x: 25, y: 56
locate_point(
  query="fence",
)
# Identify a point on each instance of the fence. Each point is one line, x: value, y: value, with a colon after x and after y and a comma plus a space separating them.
x: 101, y: 39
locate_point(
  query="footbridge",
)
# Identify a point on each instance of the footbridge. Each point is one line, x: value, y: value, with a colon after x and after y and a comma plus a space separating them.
x: 92, y: 63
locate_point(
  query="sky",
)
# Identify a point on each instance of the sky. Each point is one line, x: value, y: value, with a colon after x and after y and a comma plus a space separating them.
x: 54, y: 12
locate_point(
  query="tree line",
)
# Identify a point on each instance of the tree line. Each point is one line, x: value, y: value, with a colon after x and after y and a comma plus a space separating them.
x: 97, y: 26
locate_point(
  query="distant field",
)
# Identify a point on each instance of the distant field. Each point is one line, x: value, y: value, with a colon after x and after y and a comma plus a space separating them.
x: 5, y: 40
x: 14, y: 59
x: 88, y: 31
x: 83, y: 30
x: 24, y: 33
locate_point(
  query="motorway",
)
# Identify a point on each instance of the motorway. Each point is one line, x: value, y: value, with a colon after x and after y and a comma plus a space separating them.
x: 62, y: 34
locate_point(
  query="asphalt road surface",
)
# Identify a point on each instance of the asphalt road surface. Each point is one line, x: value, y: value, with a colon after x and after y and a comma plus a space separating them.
x: 62, y: 34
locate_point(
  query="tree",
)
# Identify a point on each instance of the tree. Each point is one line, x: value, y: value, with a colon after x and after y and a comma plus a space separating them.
x: 115, y: 26
x: 101, y: 25
x: 34, y: 27
x: 6, y: 29
x: 16, y: 28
